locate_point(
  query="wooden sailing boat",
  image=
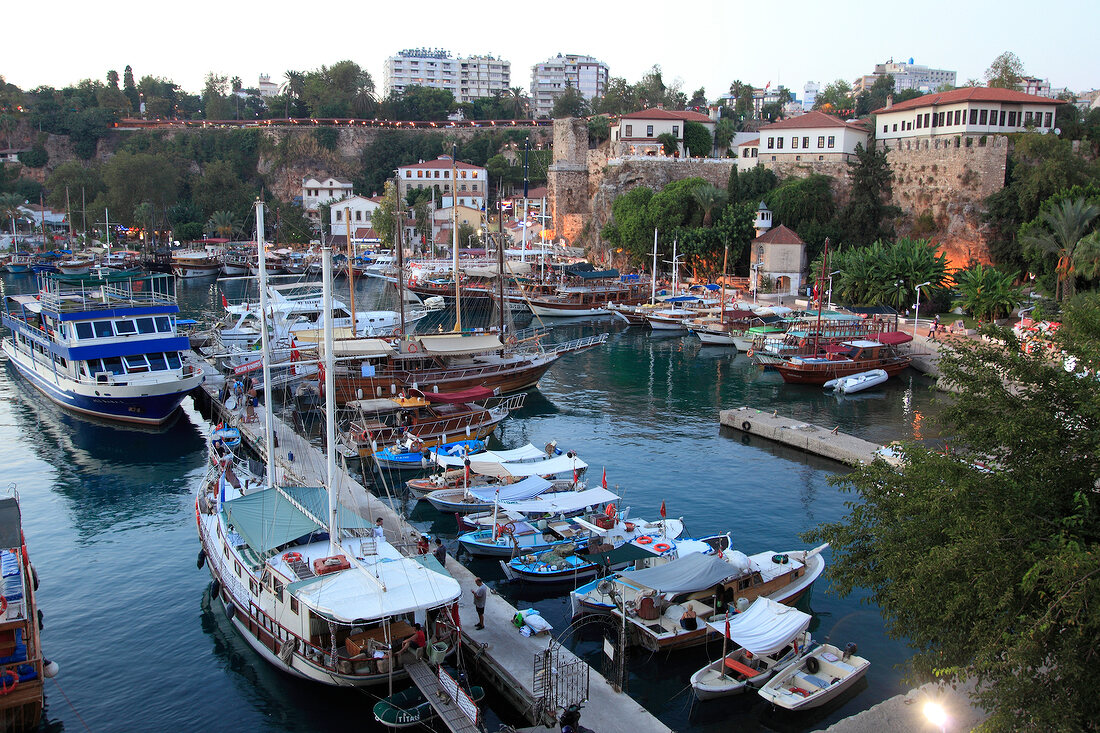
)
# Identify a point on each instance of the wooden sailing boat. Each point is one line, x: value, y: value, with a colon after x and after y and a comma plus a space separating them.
x: 306, y: 581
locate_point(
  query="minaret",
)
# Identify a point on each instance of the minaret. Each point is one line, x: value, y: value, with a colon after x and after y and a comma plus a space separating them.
x: 763, y: 219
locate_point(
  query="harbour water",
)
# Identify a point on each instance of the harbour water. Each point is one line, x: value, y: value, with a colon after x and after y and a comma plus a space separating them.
x: 109, y: 520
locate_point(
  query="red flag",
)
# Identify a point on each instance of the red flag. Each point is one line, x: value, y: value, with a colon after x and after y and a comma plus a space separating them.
x: 604, y: 482
x: 574, y: 475
x: 662, y: 509
x: 728, y: 627
x: 295, y: 355
x: 225, y: 301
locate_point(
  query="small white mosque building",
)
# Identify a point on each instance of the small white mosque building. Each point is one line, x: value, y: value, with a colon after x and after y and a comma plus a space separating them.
x: 778, y: 254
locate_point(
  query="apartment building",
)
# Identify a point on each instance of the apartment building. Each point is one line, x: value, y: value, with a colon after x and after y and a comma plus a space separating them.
x: 466, y: 77
x: 550, y: 78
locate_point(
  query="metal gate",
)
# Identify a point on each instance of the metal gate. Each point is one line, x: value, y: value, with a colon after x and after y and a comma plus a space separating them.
x: 560, y: 680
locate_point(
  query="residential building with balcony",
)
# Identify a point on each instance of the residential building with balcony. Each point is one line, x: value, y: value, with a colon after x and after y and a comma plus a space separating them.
x: 962, y: 115
x: 550, y: 78
x: 638, y: 132
x: 316, y: 191
x: 467, y: 78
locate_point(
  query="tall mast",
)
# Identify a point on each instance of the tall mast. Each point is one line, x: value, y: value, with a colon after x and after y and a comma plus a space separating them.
x: 526, y: 149
x: 820, y: 286
x: 69, y: 216
x: 725, y: 261
x: 330, y: 391
x: 500, y: 252
x: 265, y: 343
x: 454, y: 238
x: 351, y: 274
x: 653, y: 283
x: 400, y: 240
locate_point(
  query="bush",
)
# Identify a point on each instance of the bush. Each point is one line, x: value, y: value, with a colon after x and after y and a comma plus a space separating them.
x: 36, y: 157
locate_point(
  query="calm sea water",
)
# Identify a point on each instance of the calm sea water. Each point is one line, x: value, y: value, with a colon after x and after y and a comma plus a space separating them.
x: 109, y: 520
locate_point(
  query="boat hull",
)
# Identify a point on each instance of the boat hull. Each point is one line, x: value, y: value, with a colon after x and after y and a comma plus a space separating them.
x: 796, y: 375
x: 151, y: 406
x: 503, y: 381
x: 193, y: 272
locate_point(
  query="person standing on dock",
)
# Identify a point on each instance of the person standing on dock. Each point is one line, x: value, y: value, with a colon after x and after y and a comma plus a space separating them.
x: 481, y: 593
x: 440, y: 552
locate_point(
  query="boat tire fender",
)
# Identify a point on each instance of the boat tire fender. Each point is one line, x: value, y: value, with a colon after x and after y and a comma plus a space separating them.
x: 812, y: 665
x: 215, y: 588
x: 746, y: 426
x: 34, y: 577
x: 202, y: 559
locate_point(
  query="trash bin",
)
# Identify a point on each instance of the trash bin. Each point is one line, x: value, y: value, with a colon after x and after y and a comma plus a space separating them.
x: 437, y: 651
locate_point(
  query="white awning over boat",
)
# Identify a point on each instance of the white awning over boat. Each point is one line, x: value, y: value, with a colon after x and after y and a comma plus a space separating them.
x: 684, y: 575
x: 562, y: 502
x: 549, y: 467
x: 450, y: 345
x: 765, y: 627
x: 525, y: 489
x: 357, y: 594
x: 523, y: 453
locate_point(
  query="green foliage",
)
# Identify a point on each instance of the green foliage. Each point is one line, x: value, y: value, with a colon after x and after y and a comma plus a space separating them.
x: 570, y: 103
x: 803, y: 204
x: 880, y: 90
x: 709, y: 198
x: 1006, y: 71
x: 418, y: 103
x: 985, y: 559
x: 986, y: 292
x: 670, y: 145
x: 697, y: 139
x: 130, y: 179
x: 622, y: 98
x: 867, y: 216
x: 225, y: 224
x: 750, y: 186
x: 724, y: 132
x: 1058, y: 232
x: 599, y: 129
x: 341, y: 90
x: 835, y: 97
x: 36, y: 157
x: 886, y: 273
x: 9, y: 209
x: 188, y: 231
x: 327, y: 137
x: 219, y: 187
x: 383, y: 220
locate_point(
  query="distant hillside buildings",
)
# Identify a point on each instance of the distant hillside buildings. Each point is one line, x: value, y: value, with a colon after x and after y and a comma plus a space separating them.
x: 466, y: 77
x: 550, y: 78
x: 907, y: 75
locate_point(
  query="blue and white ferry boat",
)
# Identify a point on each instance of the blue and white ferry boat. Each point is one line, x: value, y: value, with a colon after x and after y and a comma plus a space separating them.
x: 105, y: 347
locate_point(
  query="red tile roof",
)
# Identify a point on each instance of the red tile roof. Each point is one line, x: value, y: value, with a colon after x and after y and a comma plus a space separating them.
x: 969, y: 94
x: 780, y: 235
x: 755, y: 142
x: 665, y: 114
x: 443, y: 161
x: 813, y: 119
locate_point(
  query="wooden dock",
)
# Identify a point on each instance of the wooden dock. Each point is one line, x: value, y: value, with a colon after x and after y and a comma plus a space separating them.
x: 446, y: 709
x: 826, y: 442
x: 499, y: 653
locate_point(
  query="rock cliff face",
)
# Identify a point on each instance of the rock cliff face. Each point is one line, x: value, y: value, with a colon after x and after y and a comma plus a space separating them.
x: 941, y: 185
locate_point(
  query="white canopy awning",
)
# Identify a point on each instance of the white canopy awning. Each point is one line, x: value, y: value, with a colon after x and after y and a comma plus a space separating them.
x: 359, y: 347
x: 523, y: 453
x: 454, y: 344
x: 528, y: 488
x: 561, y: 502
x: 549, y: 467
x: 765, y: 627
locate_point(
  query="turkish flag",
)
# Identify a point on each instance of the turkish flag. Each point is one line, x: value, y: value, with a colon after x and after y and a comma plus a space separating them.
x: 225, y: 301
x: 604, y: 481
x: 662, y: 509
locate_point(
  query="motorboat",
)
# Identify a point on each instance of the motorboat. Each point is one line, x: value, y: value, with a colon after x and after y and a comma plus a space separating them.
x: 504, y: 494
x: 847, y: 358
x: 654, y: 600
x: 536, y: 536
x: 192, y: 264
x: 410, y: 455
x: 857, y: 382
x: 822, y: 675
x: 767, y: 637
x: 409, y: 708
x: 455, y: 476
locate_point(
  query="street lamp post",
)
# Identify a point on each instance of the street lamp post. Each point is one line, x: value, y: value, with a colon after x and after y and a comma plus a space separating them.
x: 755, y: 281
x: 897, y: 287
x: 916, y: 311
x: 830, y: 294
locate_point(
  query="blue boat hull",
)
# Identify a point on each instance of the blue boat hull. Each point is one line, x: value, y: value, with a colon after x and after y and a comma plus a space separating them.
x: 151, y: 410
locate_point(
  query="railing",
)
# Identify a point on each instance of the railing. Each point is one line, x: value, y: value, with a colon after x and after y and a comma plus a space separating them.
x: 577, y: 344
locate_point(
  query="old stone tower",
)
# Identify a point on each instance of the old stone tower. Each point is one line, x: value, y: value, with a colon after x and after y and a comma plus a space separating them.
x: 567, y: 178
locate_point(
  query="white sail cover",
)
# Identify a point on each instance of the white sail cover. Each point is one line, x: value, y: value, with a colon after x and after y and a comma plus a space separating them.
x: 684, y: 575
x: 387, y: 587
x: 765, y: 627
x: 523, y: 453
x: 549, y: 467
x: 556, y: 502
x: 525, y: 489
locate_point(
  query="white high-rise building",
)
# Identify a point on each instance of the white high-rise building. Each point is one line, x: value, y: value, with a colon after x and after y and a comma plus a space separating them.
x: 550, y: 78
x: 907, y: 75
x: 809, y: 94
x: 467, y: 78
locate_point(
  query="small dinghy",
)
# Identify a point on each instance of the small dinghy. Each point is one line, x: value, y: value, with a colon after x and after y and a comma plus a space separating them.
x: 408, y: 456
x: 768, y: 636
x: 409, y: 708
x: 228, y: 435
x: 819, y: 677
x: 857, y: 382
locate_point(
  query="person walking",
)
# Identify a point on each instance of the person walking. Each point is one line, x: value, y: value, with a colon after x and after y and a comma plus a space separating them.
x: 481, y: 593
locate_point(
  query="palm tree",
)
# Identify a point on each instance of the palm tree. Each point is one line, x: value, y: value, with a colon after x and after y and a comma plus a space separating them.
x: 1086, y: 257
x: 519, y: 103
x: 224, y: 224
x: 1068, y: 222
x: 709, y: 197
x: 9, y: 208
x: 987, y: 293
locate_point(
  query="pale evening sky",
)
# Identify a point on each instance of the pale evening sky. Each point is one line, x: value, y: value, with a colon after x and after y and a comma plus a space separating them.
x: 703, y: 43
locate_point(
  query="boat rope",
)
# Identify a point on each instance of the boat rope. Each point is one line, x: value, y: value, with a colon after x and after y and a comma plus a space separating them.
x: 75, y: 711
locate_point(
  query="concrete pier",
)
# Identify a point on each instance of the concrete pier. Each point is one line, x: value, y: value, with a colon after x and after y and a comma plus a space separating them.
x: 827, y: 442
x: 499, y: 653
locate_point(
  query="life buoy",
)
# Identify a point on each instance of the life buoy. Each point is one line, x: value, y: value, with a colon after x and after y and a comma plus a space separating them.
x: 750, y: 352
x: 662, y: 547
x: 412, y: 348
x: 4, y: 688
x: 292, y: 557
x: 746, y: 426
x: 395, y: 332
x: 645, y: 540
x: 609, y: 512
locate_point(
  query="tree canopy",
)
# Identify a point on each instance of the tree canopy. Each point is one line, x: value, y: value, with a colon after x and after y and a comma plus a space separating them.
x: 1006, y: 71
x: 985, y: 557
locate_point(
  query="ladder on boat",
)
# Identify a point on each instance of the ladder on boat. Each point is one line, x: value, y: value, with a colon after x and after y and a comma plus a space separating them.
x: 445, y: 707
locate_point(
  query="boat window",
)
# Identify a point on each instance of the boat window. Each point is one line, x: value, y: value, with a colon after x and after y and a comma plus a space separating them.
x: 279, y: 590
x: 163, y: 324
x: 84, y: 330
x: 136, y: 363
x: 64, y: 330
x: 157, y: 362
x: 125, y: 328
x: 113, y: 364
x: 102, y: 329
x: 173, y: 359
x: 293, y: 604
x: 145, y: 325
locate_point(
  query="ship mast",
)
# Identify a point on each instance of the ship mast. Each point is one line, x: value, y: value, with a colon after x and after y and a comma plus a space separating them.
x: 265, y: 345
x: 820, y: 287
